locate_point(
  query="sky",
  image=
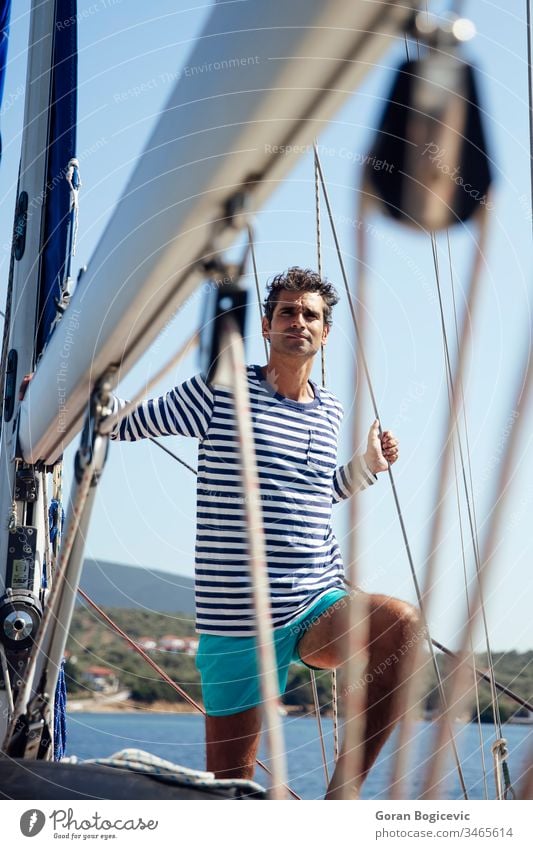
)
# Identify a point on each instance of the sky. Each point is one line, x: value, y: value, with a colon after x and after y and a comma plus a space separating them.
x: 145, y: 512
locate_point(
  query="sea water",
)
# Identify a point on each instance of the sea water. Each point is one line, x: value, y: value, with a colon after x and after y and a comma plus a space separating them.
x: 180, y: 738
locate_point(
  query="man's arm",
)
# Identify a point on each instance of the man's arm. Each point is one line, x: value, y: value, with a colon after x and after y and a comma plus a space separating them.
x: 185, y: 410
x: 352, y: 477
x: 361, y: 472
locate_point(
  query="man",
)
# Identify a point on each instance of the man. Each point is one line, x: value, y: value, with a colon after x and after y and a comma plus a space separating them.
x: 296, y: 426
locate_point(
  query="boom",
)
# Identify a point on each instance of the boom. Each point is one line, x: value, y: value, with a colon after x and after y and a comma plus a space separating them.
x: 220, y: 134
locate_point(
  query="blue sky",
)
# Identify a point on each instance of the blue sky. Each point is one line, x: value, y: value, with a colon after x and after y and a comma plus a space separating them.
x: 145, y: 513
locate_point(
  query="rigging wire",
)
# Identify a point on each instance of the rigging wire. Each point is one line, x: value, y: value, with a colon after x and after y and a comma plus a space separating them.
x: 468, y: 497
x: 446, y: 457
x: 349, y: 771
x: 251, y: 244
x: 499, y: 747
x: 113, y: 420
x: 161, y: 672
x: 492, y: 541
x: 391, y: 477
x: 319, y: 251
x: 312, y: 671
x: 448, y: 372
x: 171, y: 453
x: 265, y: 649
x: 319, y: 723
x: 526, y: 789
x: 469, y: 500
x: 479, y: 672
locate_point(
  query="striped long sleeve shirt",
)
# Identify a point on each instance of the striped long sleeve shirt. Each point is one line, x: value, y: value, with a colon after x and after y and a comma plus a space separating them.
x: 296, y: 450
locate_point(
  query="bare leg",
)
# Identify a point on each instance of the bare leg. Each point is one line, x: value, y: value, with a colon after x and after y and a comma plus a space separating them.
x: 232, y: 743
x: 394, y: 631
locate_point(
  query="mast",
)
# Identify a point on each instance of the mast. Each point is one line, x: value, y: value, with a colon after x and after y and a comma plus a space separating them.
x: 38, y: 263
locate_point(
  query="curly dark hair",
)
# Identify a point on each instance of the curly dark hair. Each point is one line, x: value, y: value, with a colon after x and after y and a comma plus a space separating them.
x: 297, y: 279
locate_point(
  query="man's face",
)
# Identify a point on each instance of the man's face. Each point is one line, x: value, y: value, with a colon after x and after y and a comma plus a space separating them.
x: 297, y: 326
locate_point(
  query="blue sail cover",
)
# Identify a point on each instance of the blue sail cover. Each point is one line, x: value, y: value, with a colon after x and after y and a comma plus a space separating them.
x: 5, y: 8
x: 57, y: 234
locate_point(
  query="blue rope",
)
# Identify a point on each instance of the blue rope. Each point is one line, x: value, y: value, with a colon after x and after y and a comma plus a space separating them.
x: 56, y: 517
x: 60, y: 714
x: 54, y: 522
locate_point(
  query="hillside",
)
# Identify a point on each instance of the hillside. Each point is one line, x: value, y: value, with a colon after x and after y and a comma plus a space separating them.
x: 92, y: 643
x: 135, y: 588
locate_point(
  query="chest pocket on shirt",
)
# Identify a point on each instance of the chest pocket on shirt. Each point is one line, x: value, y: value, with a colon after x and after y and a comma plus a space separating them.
x: 318, y: 457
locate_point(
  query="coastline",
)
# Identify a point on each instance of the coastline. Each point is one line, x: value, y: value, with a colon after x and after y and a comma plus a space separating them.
x: 125, y: 705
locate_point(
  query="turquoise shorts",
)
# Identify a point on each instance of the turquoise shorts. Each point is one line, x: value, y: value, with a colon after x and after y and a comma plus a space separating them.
x: 228, y: 665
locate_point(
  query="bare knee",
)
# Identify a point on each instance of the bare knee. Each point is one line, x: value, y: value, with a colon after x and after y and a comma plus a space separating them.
x: 395, y: 626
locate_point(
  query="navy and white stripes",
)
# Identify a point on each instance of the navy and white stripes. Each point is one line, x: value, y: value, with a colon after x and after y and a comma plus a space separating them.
x: 296, y: 448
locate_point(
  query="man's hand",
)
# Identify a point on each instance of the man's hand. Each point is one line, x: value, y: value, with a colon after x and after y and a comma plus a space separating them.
x: 380, y: 452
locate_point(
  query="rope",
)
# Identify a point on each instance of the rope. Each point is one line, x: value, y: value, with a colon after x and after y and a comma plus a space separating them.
x: 501, y: 767
x: 57, y: 497
x: 448, y: 372
x: 502, y: 485
x: 56, y: 517
x: 474, y: 534
x: 335, y: 704
x: 47, y: 565
x: 60, y: 714
x: 72, y: 176
x: 465, y: 577
x: 469, y: 499
x: 319, y: 252
x: 171, y: 453
x: 161, y: 672
x: 251, y: 243
x: 350, y: 765
x: 479, y: 672
x: 53, y: 519
x: 112, y: 421
x: 485, y: 677
x: 334, y: 698
x: 73, y: 179
x: 471, y: 511
x: 257, y: 558
x: 391, y: 477
x: 319, y: 723
x: 7, y: 679
x: 456, y: 683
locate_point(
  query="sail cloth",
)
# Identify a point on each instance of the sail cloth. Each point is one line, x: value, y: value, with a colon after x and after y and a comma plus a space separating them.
x: 57, y: 233
x: 5, y: 9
